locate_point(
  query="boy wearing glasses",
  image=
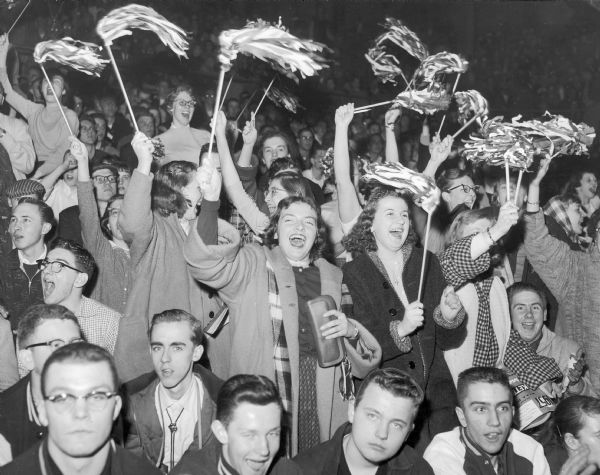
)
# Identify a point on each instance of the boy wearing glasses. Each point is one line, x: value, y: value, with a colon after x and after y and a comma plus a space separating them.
x: 65, y: 272
x: 43, y: 329
x: 80, y: 403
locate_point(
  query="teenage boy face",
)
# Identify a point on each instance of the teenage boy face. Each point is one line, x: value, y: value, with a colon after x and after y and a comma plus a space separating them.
x: 381, y: 422
x: 251, y: 439
x: 486, y: 414
x: 26, y: 227
x: 173, y: 352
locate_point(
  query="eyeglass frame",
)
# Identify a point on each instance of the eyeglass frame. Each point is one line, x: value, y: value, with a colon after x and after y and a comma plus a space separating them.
x: 49, y: 343
x: 70, y: 400
x: 43, y: 263
x: 475, y: 188
x: 184, y: 103
x: 101, y: 179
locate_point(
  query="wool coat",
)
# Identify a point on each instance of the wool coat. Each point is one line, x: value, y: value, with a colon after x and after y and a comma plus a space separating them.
x: 240, y: 275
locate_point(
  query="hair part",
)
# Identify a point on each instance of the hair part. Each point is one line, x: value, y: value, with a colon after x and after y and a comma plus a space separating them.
x: 175, y: 316
x: 480, y: 374
x: 80, y: 352
x: 84, y: 261
x: 46, y: 212
x: 249, y: 388
x: 569, y: 414
x: 394, y: 381
x: 35, y: 315
x: 518, y: 287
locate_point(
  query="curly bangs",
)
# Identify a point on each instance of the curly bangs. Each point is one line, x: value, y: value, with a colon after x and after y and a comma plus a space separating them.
x: 320, y: 243
x: 360, y: 239
x: 167, y: 185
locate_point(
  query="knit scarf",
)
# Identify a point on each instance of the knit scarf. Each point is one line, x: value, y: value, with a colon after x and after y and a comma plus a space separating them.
x: 281, y: 358
x: 557, y: 209
x: 531, y: 369
x: 486, y: 345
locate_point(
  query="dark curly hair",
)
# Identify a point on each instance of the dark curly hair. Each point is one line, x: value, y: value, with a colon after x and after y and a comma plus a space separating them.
x: 320, y: 243
x: 167, y: 185
x: 104, y: 219
x: 361, y: 239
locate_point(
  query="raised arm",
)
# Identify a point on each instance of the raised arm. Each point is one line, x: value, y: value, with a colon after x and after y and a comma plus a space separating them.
x: 135, y: 217
x: 551, y: 258
x: 391, y: 147
x: 94, y: 239
x: 349, y: 206
x: 439, y: 151
x: 51, y: 178
x: 245, y: 205
x: 249, y: 134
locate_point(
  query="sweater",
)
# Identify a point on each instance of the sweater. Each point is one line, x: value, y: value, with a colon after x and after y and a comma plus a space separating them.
x: 183, y: 143
x: 449, y: 454
x: 112, y: 281
x: 160, y: 281
x: 47, y: 128
x: 574, y: 279
x: 240, y: 275
x: 19, y: 146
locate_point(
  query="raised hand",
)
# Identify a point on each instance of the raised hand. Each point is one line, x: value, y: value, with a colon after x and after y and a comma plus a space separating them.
x: 440, y: 149
x: 250, y: 134
x: 78, y: 151
x: 508, y: 217
x: 450, y: 304
x: 344, y: 115
x: 143, y: 148
x: 544, y: 165
x: 391, y: 116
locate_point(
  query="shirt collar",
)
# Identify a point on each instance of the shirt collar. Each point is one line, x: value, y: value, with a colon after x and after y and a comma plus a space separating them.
x: 23, y: 259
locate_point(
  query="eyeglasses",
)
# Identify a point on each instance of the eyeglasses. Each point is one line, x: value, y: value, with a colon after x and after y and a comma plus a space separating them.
x: 306, y: 137
x: 274, y: 189
x: 54, y: 266
x: 101, y: 179
x: 465, y: 188
x: 96, y: 400
x: 54, y: 344
x: 112, y: 212
x: 184, y: 103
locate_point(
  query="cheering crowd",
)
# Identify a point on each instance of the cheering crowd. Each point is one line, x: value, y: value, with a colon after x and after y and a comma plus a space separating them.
x: 161, y: 276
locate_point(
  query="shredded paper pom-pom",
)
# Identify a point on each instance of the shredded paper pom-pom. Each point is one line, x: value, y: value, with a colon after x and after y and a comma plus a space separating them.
x: 83, y: 57
x: 120, y: 21
x: 440, y: 63
x: 402, y: 37
x: 471, y: 103
x: 275, y: 45
x: 423, y: 189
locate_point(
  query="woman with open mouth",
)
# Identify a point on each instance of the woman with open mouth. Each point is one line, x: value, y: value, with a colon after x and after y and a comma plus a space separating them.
x: 266, y: 288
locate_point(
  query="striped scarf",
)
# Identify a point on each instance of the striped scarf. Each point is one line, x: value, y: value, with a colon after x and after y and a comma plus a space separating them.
x: 486, y: 345
x: 281, y: 358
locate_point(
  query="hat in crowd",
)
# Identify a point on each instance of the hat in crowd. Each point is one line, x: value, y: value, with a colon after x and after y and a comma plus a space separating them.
x: 25, y: 187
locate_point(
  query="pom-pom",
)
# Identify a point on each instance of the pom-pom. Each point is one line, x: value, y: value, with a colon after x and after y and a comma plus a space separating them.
x: 83, y: 57
x: 422, y: 187
x: 426, y: 101
x: 327, y: 162
x: 385, y: 66
x: 441, y: 63
x: 283, y: 98
x: 275, y: 45
x: 403, y: 37
x: 471, y: 103
x: 120, y: 21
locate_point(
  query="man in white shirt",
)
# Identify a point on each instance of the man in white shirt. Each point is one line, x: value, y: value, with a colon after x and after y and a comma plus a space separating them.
x: 171, y: 409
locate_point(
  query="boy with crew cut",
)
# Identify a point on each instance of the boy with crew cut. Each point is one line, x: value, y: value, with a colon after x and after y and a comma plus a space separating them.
x: 373, y: 441
x: 485, y: 443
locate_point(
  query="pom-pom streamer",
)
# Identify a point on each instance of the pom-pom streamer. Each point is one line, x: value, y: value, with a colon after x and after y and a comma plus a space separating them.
x: 81, y: 56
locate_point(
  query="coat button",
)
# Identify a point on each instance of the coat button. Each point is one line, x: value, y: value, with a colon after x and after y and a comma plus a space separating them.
x: 411, y: 364
x: 40, y: 434
x: 211, y: 314
x: 386, y: 285
x: 393, y: 312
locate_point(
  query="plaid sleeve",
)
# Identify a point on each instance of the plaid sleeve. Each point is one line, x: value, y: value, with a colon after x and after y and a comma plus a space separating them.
x: 457, y: 265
